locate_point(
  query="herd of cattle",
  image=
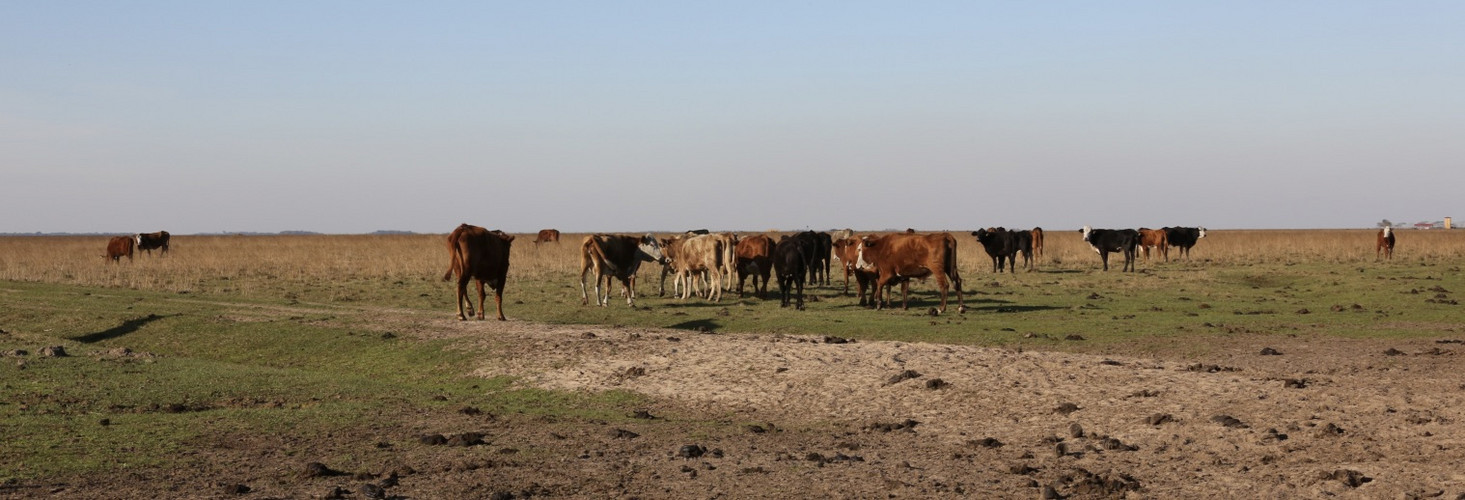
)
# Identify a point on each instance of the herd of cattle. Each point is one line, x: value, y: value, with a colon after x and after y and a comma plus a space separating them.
x: 700, y: 258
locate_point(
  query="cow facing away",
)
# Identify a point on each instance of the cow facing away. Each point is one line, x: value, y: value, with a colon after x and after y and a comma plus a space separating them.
x: 480, y: 255
x: 149, y: 241
x: 119, y: 247
x: 1105, y: 241
x: 1182, y: 238
x: 1037, y: 233
x: 1157, y: 239
x: 1385, y: 247
x: 615, y: 256
x: 547, y: 236
x: 790, y: 262
x: 707, y: 253
x: 896, y: 257
x: 754, y: 257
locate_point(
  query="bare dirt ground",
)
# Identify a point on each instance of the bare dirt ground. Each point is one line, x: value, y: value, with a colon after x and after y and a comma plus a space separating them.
x: 813, y: 417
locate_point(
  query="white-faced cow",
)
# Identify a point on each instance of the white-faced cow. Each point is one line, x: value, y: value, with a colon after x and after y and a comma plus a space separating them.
x: 790, y: 262
x: 847, y: 251
x: 896, y: 257
x: 1183, y: 238
x: 547, y: 236
x: 149, y: 241
x: 618, y: 256
x: 120, y: 246
x: 480, y: 255
x: 1385, y: 247
x: 754, y: 257
x: 1104, y: 241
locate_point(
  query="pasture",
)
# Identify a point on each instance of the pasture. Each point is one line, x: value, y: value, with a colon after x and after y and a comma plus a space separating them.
x: 239, y: 365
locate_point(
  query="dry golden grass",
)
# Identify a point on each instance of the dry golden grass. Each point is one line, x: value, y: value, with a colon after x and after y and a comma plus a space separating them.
x: 243, y: 264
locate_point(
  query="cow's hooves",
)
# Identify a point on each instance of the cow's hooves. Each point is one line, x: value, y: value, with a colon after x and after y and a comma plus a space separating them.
x: 961, y: 309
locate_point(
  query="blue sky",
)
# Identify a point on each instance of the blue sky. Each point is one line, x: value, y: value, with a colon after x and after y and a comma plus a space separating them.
x: 356, y: 116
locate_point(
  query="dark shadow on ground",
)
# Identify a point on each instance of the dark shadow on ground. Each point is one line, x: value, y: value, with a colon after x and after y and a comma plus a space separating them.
x: 125, y: 328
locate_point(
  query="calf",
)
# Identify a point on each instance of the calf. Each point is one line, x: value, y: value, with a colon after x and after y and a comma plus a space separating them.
x: 1183, y: 238
x: 703, y: 253
x: 897, y: 257
x: 1156, y: 239
x: 754, y: 257
x: 1104, y: 241
x: 790, y: 262
x: 1037, y: 233
x: 1385, y: 246
x: 480, y: 255
x: 618, y: 256
x: 119, y: 247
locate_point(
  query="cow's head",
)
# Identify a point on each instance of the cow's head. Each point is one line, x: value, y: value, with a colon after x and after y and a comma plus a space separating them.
x: 1202, y: 232
x: 1388, y: 231
x: 860, y: 245
x: 652, y: 248
x: 137, y: 239
x: 1086, y: 230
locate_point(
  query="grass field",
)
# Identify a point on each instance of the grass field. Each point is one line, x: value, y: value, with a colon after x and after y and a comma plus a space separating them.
x: 244, y: 326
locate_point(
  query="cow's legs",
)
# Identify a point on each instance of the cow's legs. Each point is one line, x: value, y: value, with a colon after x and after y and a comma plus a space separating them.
x: 481, y: 296
x: 498, y: 299
x: 461, y: 292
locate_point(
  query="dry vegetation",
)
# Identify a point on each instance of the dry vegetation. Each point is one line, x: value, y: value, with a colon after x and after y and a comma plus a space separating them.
x: 239, y: 263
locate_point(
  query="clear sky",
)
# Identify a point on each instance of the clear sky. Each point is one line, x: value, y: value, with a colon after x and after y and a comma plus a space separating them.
x: 356, y: 116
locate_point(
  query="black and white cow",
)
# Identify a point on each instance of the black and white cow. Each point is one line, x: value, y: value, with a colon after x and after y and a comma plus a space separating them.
x: 1184, y: 237
x: 1105, y: 241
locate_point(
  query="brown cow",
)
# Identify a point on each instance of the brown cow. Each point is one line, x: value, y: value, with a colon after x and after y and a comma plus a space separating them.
x: 547, y: 236
x: 1154, y: 238
x: 754, y: 257
x: 618, y: 256
x: 694, y: 255
x: 1385, y: 246
x: 847, y: 251
x: 1037, y: 243
x: 480, y: 255
x: 149, y: 241
x: 895, y: 257
x: 120, y: 246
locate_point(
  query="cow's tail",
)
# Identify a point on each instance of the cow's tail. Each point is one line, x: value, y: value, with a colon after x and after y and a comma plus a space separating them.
x: 455, y: 257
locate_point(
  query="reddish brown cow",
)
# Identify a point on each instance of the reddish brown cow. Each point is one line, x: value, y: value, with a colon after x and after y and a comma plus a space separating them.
x: 1385, y: 246
x: 483, y: 256
x: 1037, y: 243
x: 895, y: 257
x: 547, y: 236
x: 119, y: 247
x: 1154, y: 238
x: 847, y: 251
x: 754, y: 257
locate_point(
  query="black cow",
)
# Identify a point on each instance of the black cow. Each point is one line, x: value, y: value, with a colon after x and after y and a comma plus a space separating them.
x: 1184, y: 237
x: 149, y: 241
x: 1023, y: 240
x: 1104, y: 241
x: 818, y: 247
x: 790, y: 262
x: 1001, y: 245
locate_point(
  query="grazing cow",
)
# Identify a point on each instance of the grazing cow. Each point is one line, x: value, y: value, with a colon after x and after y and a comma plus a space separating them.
x: 1157, y: 239
x: 482, y: 256
x: 790, y: 259
x: 149, y: 241
x: 1183, y: 238
x: 1037, y: 233
x: 701, y: 253
x: 1001, y: 245
x: 1104, y: 241
x: 547, y: 236
x: 618, y: 256
x: 120, y: 246
x: 1386, y: 244
x: 897, y: 257
x: 754, y: 257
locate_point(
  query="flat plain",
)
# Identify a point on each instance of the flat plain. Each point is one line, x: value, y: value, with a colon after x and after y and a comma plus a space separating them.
x: 1267, y: 363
